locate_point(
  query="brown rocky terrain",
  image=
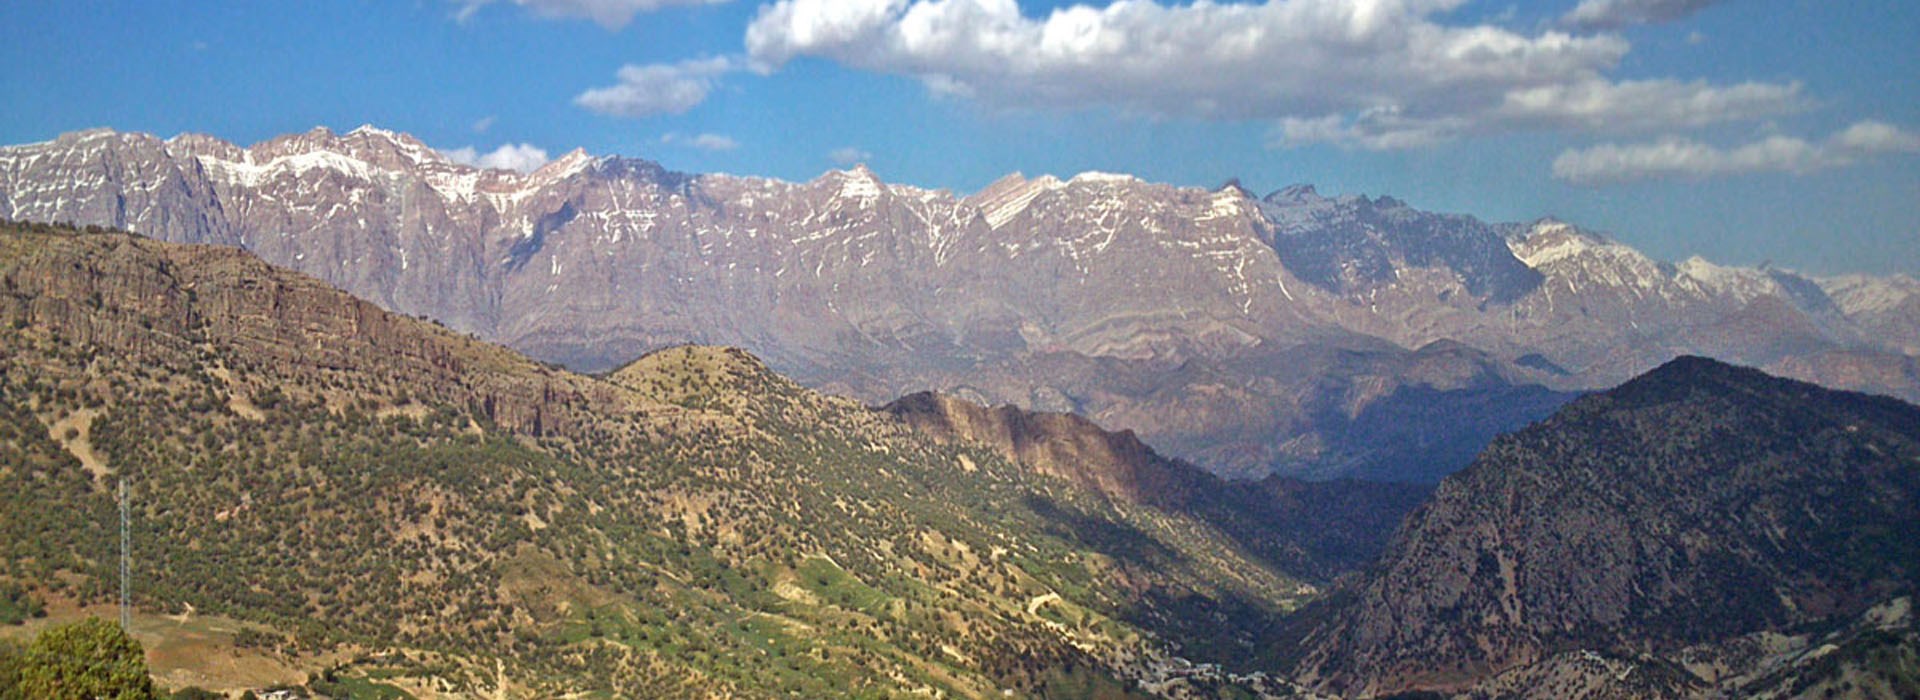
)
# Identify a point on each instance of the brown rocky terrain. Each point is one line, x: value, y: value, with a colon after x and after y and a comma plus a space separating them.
x: 1663, y: 526
x: 1330, y: 528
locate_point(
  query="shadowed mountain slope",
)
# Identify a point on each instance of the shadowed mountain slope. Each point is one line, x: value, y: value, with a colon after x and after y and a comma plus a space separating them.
x: 1329, y: 528
x: 1665, y: 525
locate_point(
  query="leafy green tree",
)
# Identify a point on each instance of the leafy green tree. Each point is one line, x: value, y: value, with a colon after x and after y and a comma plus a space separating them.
x: 90, y: 659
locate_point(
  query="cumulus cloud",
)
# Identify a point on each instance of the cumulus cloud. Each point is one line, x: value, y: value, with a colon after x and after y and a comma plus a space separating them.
x: 704, y: 142
x: 1367, y: 73
x: 1683, y: 158
x: 660, y: 88
x: 1614, y: 14
x: 849, y: 156
x: 612, y: 14
x: 521, y: 157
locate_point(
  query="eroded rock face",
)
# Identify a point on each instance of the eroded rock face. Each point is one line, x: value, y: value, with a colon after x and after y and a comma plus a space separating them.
x: 1330, y: 527
x: 117, y: 293
x: 1063, y: 445
x: 1691, y: 506
x: 1141, y: 305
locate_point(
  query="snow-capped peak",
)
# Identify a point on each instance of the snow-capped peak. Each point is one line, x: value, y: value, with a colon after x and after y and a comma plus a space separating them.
x: 1096, y: 177
x: 565, y: 166
x: 1549, y: 226
x: 859, y: 183
x: 371, y: 130
x: 1549, y: 241
x: 1740, y: 283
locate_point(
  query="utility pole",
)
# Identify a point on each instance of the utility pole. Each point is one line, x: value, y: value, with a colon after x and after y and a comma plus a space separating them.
x: 125, y: 622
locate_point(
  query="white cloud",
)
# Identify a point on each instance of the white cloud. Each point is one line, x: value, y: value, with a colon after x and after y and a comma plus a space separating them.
x: 1683, y: 158
x: 658, y: 88
x: 612, y: 14
x: 1594, y: 105
x: 1367, y: 73
x: 704, y: 142
x: 1640, y: 105
x: 520, y: 157
x: 481, y: 125
x: 849, y: 156
x: 1876, y: 137
x: 1614, y: 14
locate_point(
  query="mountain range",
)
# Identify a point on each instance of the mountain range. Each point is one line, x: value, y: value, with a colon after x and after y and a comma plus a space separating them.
x: 1294, y: 333
x: 355, y: 501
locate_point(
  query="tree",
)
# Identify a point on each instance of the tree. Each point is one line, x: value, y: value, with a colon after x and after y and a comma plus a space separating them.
x: 88, y: 659
x: 10, y: 658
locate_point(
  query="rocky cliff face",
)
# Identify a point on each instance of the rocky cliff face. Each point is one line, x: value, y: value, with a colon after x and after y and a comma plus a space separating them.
x: 125, y: 294
x: 1139, y: 305
x: 1331, y: 528
x: 1063, y: 445
x: 1651, y: 526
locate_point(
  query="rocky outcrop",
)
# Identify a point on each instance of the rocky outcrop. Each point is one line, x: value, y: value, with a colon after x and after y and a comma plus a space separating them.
x: 1691, y: 506
x: 118, y: 293
x: 1061, y: 445
x: 1330, y: 528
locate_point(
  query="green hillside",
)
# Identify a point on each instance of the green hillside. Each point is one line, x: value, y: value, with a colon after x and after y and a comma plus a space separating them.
x: 380, y: 501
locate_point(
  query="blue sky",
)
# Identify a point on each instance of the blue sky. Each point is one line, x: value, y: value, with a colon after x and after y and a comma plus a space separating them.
x: 1741, y: 130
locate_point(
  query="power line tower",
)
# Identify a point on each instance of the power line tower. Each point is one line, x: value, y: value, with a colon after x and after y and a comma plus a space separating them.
x: 125, y: 622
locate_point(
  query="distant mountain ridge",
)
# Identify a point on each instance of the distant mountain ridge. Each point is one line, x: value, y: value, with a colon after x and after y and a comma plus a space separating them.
x: 1186, y: 315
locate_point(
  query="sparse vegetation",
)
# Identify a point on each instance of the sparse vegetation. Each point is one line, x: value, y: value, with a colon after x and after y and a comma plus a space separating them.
x: 690, y: 525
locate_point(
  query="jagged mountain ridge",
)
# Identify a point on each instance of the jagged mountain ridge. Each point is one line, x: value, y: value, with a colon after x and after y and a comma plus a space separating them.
x: 1143, y: 306
x: 1691, y: 524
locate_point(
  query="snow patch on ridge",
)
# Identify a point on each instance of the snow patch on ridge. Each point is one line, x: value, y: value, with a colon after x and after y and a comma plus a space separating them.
x: 859, y: 184
x: 251, y: 174
x: 1856, y: 294
x: 1096, y: 177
